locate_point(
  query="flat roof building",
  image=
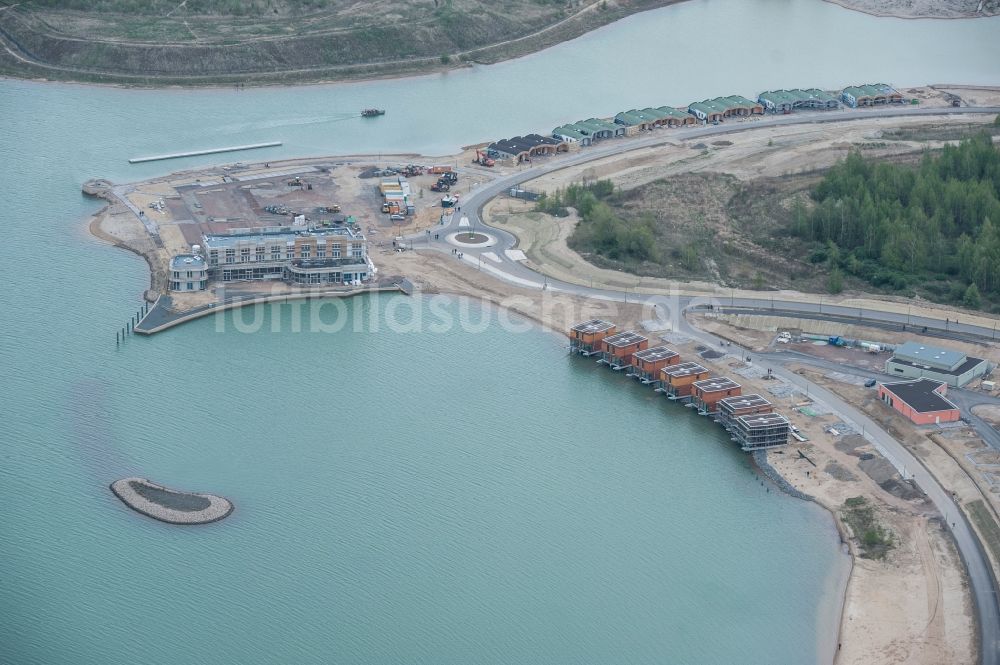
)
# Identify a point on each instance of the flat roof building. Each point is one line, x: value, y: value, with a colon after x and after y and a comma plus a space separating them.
x: 676, y: 380
x: 646, y: 364
x: 922, y: 401
x: 617, y: 349
x: 586, y: 337
x: 308, y: 256
x: 706, y: 393
x: 760, y: 431
x: 730, y: 408
x: 188, y: 272
x: 914, y: 360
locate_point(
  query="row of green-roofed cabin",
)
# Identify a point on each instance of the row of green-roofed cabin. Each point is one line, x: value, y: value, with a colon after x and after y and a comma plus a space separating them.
x: 715, y: 110
x: 785, y: 101
x: 871, y: 94
x: 585, y: 132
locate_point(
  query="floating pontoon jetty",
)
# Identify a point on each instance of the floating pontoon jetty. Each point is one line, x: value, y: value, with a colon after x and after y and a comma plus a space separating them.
x: 210, y: 151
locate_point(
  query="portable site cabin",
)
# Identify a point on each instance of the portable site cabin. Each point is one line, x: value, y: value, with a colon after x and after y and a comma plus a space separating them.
x: 618, y: 349
x: 730, y: 408
x: 676, y: 380
x: 646, y: 364
x: 585, y: 338
x: 707, y: 392
x: 763, y: 430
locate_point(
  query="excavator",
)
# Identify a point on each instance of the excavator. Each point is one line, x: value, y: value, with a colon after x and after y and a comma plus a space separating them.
x: 483, y: 159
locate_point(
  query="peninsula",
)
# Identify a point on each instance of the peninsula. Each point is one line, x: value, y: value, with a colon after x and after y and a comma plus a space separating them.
x: 502, y: 249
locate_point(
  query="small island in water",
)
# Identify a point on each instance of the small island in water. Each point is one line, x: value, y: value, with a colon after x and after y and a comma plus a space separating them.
x: 172, y: 506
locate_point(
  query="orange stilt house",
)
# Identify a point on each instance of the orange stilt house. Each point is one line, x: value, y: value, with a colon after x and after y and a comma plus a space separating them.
x: 646, y: 364
x: 676, y: 380
x: 707, y: 393
x: 586, y: 337
x: 618, y: 349
x: 731, y: 408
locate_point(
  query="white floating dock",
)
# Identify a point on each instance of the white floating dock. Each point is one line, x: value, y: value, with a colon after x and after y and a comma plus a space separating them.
x: 210, y: 151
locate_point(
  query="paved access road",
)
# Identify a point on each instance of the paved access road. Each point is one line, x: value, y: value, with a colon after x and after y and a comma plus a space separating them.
x: 498, y: 263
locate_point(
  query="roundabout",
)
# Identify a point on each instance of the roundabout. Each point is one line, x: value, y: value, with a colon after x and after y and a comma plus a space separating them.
x: 471, y: 239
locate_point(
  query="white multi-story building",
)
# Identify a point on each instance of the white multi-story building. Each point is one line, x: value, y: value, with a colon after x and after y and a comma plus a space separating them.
x: 337, y: 255
x: 188, y: 272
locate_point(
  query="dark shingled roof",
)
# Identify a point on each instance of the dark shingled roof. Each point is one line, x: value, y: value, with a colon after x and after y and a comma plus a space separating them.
x: 519, y: 144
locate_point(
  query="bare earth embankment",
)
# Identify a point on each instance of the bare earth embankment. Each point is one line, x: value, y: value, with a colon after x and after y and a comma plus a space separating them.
x: 170, y: 43
x: 923, y: 8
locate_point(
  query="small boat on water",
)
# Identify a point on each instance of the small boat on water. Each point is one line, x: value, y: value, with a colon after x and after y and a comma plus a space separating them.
x: 372, y: 113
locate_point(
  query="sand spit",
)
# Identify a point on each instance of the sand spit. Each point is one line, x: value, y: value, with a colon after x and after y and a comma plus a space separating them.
x: 171, y: 506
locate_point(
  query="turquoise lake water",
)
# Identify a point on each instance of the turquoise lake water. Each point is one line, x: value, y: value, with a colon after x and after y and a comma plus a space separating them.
x: 425, y: 498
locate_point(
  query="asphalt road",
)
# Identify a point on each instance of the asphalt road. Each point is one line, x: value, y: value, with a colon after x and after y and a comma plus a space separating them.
x: 983, y: 584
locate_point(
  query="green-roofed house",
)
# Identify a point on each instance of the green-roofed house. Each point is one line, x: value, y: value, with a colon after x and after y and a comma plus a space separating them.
x: 785, y: 101
x: 707, y: 111
x: 636, y: 121
x: 675, y: 117
x: 715, y: 110
x: 596, y: 128
x: 739, y: 105
x: 871, y: 94
x: 571, y: 134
